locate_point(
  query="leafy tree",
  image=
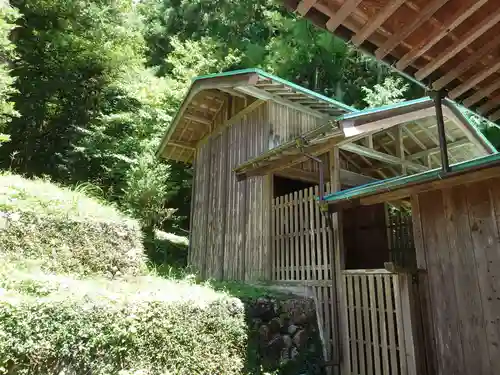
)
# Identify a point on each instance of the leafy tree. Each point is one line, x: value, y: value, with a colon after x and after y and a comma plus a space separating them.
x: 69, y: 52
x: 391, y: 91
x: 8, y: 16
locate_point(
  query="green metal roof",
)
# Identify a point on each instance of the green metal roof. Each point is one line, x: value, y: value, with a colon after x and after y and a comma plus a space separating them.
x: 399, y: 182
x: 282, y: 81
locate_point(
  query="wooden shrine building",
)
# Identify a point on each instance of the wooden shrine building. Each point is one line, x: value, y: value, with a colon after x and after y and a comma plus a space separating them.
x: 274, y: 168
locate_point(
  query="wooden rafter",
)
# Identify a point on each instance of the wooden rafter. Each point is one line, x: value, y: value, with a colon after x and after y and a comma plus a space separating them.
x: 494, y: 116
x: 371, y: 25
x: 489, y: 105
x: 400, y: 36
x: 468, y: 63
x: 482, y: 93
x: 344, y: 11
x: 473, y: 81
x: 464, y: 41
x: 237, y: 117
x: 464, y: 12
x: 199, y: 119
x: 418, y: 142
x: 264, y: 95
x: 377, y: 155
x: 304, y: 6
x: 435, y: 150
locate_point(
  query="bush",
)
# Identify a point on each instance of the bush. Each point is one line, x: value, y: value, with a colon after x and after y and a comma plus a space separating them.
x: 144, y: 327
x: 66, y: 231
x: 61, y: 313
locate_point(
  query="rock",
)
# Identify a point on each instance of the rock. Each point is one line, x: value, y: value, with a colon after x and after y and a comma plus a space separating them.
x: 264, y: 309
x: 264, y: 333
x: 256, y: 323
x: 276, y: 344
x: 294, y: 353
x: 300, y: 339
x: 284, y: 357
x: 292, y: 328
x: 301, y: 319
x: 275, y: 325
x: 287, y: 340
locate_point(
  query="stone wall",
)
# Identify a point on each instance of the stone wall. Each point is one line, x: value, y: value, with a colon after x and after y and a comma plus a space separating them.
x: 284, y: 336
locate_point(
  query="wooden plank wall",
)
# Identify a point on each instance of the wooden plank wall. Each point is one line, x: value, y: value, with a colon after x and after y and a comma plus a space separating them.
x: 379, y: 325
x: 287, y: 124
x: 458, y: 247
x: 230, y: 237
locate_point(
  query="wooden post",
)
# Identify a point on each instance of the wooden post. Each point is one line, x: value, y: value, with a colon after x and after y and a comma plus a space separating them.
x: 400, y: 149
x: 338, y: 264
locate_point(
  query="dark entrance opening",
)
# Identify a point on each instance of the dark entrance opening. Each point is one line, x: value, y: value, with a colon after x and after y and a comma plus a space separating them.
x: 284, y: 186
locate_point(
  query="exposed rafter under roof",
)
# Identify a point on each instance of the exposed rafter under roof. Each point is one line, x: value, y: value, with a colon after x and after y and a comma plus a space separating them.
x: 370, y: 134
x: 449, y: 45
x: 207, y: 94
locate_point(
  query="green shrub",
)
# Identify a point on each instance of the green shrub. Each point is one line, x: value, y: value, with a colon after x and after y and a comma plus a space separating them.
x: 66, y: 231
x: 54, y: 325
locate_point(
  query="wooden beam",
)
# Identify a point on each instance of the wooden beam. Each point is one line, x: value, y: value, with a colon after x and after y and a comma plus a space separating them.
x: 464, y: 12
x: 349, y: 178
x: 400, y: 148
x: 489, y: 105
x: 464, y: 41
x: 473, y: 81
x: 420, y: 144
x: 480, y: 94
x: 390, y: 159
x: 476, y: 57
x: 186, y: 145
x: 233, y: 92
x: 237, y: 117
x: 350, y: 128
x: 199, y: 119
x: 462, y: 178
x: 372, y: 25
x: 494, y: 116
x: 369, y: 141
x: 434, y: 150
x: 344, y: 11
x: 299, y: 174
x: 398, y: 37
x: 264, y: 95
x: 304, y: 6
x: 197, y: 88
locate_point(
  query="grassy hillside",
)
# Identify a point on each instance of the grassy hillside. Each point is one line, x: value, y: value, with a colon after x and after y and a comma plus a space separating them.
x: 76, y: 296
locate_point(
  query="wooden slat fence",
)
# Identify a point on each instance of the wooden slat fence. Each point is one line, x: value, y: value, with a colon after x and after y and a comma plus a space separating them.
x: 301, y: 238
x: 380, y: 323
x: 301, y: 244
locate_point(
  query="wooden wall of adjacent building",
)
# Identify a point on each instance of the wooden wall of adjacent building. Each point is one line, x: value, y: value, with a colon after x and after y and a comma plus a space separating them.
x: 458, y: 249
x: 231, y: 225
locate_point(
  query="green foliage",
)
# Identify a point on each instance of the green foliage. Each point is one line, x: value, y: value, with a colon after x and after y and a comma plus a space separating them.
x: 7, y: 17
x: 65, y: 231
x: 55, y: 325
x: 56, y: 320
x: 69, y: 52
x: 391, y: 91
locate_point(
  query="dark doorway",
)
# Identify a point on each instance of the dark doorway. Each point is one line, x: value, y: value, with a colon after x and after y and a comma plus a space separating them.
x: 284, y: 186
x: 365, y: 237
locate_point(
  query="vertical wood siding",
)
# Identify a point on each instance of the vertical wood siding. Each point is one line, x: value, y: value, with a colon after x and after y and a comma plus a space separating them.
x: 458, y: 245
x: 230, y: 235
x: 286, y: 124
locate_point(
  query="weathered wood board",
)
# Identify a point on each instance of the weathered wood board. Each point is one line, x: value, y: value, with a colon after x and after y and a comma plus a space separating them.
x: 460, y: 250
